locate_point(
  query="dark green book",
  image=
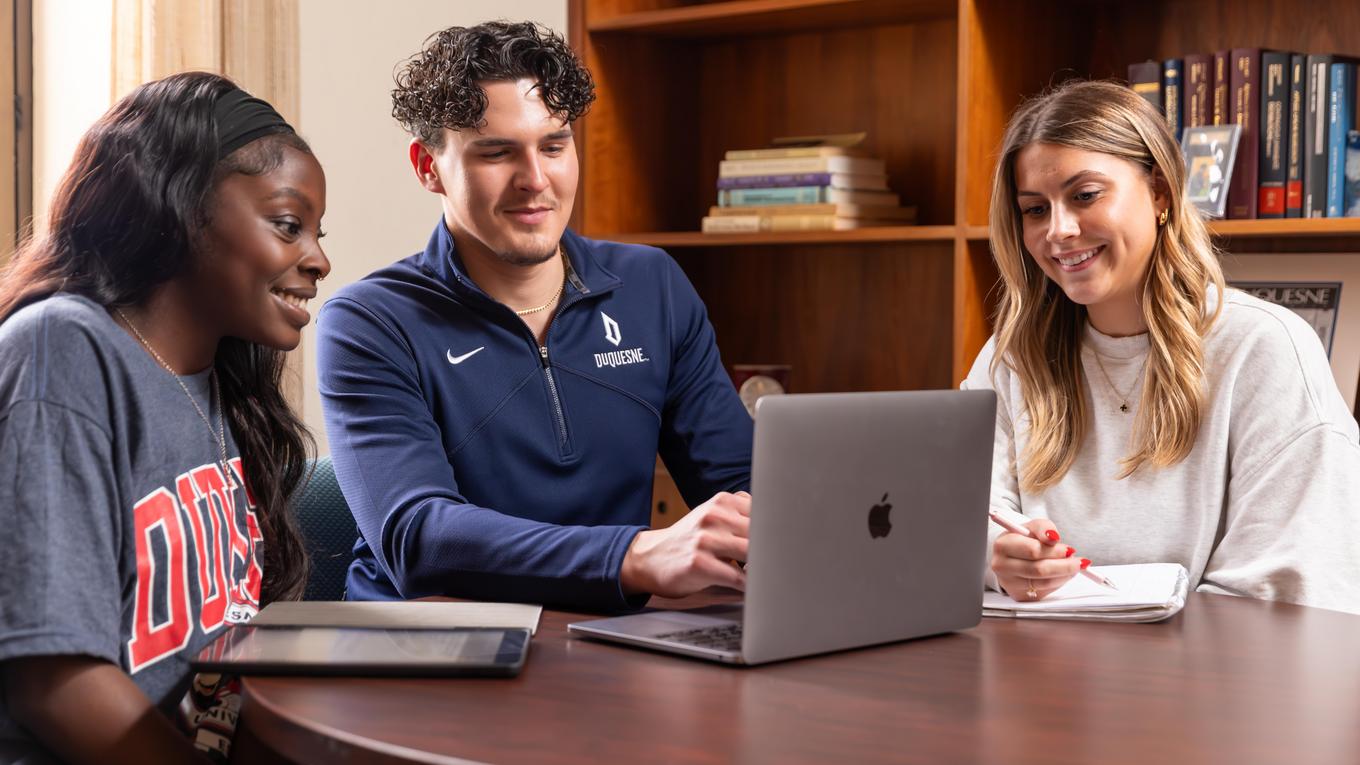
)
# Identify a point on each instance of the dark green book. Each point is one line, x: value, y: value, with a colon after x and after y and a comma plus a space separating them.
x: 1294, y: 168
x: 1274, y: 133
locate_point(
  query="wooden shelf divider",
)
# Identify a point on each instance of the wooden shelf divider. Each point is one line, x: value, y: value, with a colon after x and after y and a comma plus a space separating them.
x: 1287, y: 227
x: 744, y: 17
x: 1250, y: 229
x: 872, y: 234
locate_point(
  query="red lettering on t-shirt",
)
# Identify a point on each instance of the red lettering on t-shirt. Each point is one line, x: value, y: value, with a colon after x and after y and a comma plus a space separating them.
x: 225, y: 538
x: 248, y: 586
x: 214, y: 568
x: 158, y: 514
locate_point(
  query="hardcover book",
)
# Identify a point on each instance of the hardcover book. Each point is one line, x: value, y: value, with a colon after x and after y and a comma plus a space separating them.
x: 731, y: 168
x: 835, y: 180
x: 1340, y: 120
x: 1146, y: 80
x: 1222, y: 115
x: 804, y: 195
x: 871, y: 212
x: 1171, y: 94
x: 1245, y: 86
x: 1198, y: 91
x: 1317, y: 70
x: 795, y: 152
x: 1353, y: 174
x: 737, y: 224
x: 1274, y: 129
x: 1294, y: 169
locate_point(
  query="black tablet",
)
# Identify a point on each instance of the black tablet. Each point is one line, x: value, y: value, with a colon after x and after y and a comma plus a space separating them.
x: 351, y: 651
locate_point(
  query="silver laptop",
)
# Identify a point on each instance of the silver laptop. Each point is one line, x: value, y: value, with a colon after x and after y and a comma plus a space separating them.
x: 868, y: 525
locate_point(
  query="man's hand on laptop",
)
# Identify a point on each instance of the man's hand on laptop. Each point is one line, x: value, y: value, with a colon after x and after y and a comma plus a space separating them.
x: 699, y: 551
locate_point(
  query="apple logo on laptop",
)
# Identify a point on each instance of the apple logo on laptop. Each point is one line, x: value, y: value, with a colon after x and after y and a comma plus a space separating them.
x: 879, y: 524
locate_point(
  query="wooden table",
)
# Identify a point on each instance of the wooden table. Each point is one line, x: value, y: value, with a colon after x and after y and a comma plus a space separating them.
x: 1228, y: 680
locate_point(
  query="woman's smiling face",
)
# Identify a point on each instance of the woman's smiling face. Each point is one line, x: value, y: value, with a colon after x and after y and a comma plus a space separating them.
x: 261, y: 255
x: 1090, y: 222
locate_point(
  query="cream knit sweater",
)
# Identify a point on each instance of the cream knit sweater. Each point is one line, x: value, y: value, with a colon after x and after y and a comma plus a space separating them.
x: 1267, y: 505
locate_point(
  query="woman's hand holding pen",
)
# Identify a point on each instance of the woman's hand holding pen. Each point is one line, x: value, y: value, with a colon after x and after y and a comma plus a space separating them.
x: 1032, y: 567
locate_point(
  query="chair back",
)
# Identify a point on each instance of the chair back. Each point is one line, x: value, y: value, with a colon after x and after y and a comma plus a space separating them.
x: 328, y: 531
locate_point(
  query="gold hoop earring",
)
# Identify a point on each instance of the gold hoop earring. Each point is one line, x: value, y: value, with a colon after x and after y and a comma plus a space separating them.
x: 1161, y: 219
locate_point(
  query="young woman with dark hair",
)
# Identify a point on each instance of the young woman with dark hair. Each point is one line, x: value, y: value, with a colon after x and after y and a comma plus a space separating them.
x: 147, y: 454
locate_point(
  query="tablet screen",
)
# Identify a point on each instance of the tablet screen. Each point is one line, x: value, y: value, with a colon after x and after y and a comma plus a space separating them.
x: 355, y: 651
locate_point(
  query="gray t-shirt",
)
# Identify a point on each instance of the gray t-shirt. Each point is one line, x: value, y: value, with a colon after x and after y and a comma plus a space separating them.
x: 124, y: 542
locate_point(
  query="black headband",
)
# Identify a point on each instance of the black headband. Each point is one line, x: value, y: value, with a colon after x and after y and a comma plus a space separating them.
x: 242, y: 118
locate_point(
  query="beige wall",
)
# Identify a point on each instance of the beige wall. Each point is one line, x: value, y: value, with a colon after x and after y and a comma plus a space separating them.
x: 375, y: 211
x: 72, y: 70
x: 9, y: 224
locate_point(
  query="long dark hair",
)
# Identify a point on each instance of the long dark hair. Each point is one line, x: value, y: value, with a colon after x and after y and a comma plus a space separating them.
x: 124, y: 220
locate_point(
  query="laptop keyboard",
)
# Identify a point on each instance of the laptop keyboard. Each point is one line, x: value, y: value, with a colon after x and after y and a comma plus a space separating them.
x: 720, y: 637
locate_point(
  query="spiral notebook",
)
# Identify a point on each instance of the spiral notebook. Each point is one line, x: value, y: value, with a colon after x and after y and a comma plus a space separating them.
x: 1148, y: 592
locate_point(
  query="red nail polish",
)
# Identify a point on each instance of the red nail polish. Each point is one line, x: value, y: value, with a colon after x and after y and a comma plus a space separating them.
x: 1084, y: 563
x: 1070, y: 550
x: 1052, y: 535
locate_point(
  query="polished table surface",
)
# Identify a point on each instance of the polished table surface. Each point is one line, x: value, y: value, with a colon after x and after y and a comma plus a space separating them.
x: 1228, y: 680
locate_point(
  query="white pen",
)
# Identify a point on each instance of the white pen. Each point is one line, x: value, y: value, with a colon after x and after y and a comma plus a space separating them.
x: 1017, y: 529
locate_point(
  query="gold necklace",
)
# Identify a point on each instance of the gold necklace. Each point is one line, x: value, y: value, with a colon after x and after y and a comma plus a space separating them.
x: 544, y: 307
x: 1123, y: 397
x: 220, y: 435
x: 556, y: 294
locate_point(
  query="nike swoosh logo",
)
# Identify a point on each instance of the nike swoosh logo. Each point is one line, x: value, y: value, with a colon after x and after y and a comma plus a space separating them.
x: 460, y: 359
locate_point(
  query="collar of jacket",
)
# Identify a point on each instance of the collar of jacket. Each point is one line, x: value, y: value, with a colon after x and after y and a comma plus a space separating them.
x: 441, y: 260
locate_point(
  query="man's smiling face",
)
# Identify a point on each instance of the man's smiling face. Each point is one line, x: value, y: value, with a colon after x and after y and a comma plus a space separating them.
x: 508, y: 187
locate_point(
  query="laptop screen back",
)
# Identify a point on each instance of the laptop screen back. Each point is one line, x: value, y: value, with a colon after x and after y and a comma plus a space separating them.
x: 868, y: 520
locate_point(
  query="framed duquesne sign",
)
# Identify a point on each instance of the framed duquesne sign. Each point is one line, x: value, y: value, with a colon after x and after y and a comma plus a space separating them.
x: 1324, y: 289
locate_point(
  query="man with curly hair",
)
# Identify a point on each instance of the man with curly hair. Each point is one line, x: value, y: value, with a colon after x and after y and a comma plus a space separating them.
x: 495, y: 403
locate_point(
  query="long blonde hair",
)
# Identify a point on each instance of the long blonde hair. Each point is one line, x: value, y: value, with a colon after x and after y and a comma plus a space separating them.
x: 1039, y: 329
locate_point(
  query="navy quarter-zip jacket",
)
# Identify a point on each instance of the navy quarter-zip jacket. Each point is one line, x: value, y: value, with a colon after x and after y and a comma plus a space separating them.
x: 479, y: 464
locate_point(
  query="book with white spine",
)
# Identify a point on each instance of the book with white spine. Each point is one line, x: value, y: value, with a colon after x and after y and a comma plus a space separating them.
x: 732, y: 168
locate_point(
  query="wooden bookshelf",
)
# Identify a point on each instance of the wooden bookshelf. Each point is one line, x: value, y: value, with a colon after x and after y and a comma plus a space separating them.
x: 1274, y: 228
x: 874, y: 234
x: 933, y: 82
x: 747, y: 17
x: 1287, y: 227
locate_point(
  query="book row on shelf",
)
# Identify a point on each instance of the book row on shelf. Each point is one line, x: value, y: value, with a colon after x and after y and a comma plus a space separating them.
x: 815, y: 187
x: 1299, y: 151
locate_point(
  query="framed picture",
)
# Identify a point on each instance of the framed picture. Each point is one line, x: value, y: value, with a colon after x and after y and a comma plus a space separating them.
x: 1210, y: 153
x: 1324, y: 289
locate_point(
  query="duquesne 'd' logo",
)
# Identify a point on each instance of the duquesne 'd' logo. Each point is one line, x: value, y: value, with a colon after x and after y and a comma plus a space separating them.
x: 611, y: 329
x: 617, y: 358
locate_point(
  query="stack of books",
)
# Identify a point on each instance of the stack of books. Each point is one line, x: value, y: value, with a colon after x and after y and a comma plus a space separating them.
x: 803, y: 188
x: 1298, y: 118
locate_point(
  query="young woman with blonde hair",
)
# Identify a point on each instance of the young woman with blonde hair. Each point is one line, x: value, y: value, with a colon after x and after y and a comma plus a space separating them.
x: 1147, y: 413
